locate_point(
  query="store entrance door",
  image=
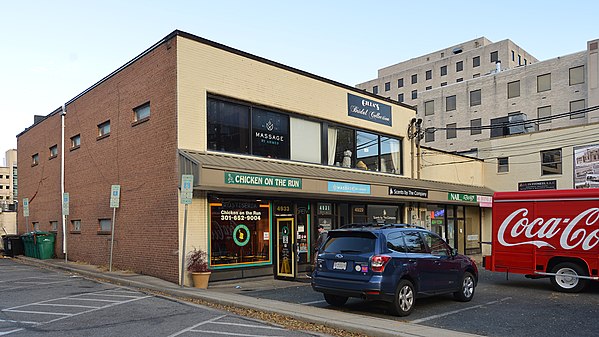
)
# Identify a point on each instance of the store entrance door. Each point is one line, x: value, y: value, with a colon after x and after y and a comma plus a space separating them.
x: 286, y: 252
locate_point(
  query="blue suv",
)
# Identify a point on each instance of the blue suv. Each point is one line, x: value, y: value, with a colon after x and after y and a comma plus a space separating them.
x: 393, y: 263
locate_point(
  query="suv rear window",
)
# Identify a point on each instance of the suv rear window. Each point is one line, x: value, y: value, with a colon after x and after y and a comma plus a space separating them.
x: 349, y: 244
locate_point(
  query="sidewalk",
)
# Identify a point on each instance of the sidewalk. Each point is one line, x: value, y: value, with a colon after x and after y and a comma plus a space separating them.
x: 226, y: 293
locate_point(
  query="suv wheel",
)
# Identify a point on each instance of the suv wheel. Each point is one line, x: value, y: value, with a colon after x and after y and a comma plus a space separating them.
x: 335, y: 300
x: 404, y: 300
x: 466, y: 291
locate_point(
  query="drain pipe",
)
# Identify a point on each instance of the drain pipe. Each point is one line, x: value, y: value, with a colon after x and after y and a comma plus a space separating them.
x: 64, y: 226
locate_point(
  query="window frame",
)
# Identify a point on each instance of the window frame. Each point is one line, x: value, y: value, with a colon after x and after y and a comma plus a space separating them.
x: 35, y: 159
x: 429, y: 108
x: 138, y: 112
x: 400, y: 83
x: 503, y: 164
x: 475, y: 102
x: 443, y: 70
x: 451, y: 131
x: 494, y: 56
x: 414, y: 78
x: 546, y: 166
x: 449, y: 99
x: 476, y: 129
x: 582, y: 80
x: 429, y: 74
x: 459, y: 66
x: 544, y: 87
x: 75, y: 144
x: 539, y: 117
x: 580, y: 114
x: 414, y: 94
x: 476, y: 61
x: 513, y: 89
x: 375, y: 89
x: 103, y: 129
x: 53, y: 151
x: 103, y: 230
x: 387, y: 86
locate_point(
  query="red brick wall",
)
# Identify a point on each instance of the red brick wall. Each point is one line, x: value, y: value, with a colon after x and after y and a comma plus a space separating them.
x: 142, y: 158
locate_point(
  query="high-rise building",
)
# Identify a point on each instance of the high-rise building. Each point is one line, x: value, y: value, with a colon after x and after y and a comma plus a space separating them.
x: 481, y: 90
x: 8, y: 181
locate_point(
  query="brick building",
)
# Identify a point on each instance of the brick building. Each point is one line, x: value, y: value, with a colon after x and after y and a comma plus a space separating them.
x: 274, y: 151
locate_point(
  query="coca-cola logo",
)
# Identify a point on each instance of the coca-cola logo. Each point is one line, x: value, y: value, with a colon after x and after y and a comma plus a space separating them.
x: 517, y: 229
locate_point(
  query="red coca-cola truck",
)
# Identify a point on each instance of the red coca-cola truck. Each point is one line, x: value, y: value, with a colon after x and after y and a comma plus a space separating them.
x: 549, y: 233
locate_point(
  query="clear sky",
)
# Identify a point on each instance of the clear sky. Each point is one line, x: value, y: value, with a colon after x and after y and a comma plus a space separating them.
x: 52, y: 50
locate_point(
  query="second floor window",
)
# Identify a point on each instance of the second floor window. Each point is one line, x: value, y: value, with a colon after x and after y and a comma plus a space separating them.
x: 53, y: 151
x: 75, y: 141
x: 551, y: 162
x: 104, y: 129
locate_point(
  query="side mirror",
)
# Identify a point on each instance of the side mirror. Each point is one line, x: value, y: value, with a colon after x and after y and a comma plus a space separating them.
x: 453, y: 252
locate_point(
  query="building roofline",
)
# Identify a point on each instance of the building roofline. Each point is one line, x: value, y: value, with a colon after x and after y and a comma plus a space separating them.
x: 217, y: 45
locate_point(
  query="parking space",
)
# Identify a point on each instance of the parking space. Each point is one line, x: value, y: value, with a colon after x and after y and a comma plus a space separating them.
x: 502, y: 306
x: 40, y: 302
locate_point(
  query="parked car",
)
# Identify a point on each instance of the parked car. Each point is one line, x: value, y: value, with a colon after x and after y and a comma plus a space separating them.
x: 393, y: 263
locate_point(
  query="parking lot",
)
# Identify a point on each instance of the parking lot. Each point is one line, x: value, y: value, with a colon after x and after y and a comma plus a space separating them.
x: 41, y: 302
x: 513, y: 307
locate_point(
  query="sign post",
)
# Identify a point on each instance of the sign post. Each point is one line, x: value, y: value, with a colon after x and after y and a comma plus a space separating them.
x: 26, y: 213
x: 186, y: 197
x: 115, y: 195
x: 65, y: 214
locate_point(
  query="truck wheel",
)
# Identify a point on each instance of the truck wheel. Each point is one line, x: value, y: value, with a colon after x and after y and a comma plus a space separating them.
x: 404, y: 300
x: 565, y: 280
x: 466, y: 291
x: 335, y: 300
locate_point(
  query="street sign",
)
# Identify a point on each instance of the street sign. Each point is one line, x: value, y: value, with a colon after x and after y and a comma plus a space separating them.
x: 25, y: 206
x: 186, y: 189
x: 65, y: 204
x: 115, y: 195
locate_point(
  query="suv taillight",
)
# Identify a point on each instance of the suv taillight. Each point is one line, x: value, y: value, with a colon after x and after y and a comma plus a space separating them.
x: 378, y: 263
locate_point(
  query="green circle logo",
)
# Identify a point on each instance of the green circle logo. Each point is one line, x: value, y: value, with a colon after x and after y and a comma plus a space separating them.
x: 241, y: 235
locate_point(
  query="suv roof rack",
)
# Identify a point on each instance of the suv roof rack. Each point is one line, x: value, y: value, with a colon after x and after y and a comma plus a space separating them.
x: 379, y: 225
x: 401, y: 225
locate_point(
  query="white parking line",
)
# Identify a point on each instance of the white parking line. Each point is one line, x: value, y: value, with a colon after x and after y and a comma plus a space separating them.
x: 9, y: 332
x: 67, y: 305
x: 250, y: 325
x: 416, y: 321
x: 39, y: 312
x: 313, y: 302
x: 197, y: 325
x: 229, y: 333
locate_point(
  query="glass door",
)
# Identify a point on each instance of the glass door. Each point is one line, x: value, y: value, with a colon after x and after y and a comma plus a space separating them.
x: 286, y: 260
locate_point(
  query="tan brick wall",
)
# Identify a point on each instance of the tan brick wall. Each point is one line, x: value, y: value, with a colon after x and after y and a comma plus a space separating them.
x: 141, y: 158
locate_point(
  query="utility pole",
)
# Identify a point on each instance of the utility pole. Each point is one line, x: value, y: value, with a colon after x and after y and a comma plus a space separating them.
x: 415, y: 134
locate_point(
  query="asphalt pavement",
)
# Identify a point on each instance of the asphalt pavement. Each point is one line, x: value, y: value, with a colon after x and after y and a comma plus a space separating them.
x: 230, y: 293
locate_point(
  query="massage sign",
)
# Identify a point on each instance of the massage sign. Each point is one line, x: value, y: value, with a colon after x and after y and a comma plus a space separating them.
x: 270, y: 134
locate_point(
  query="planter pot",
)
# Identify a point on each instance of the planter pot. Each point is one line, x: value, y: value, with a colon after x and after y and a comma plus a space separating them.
x: 200, y: 280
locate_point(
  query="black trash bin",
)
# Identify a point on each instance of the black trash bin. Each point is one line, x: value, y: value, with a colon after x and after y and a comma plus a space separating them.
x: 13, y: 245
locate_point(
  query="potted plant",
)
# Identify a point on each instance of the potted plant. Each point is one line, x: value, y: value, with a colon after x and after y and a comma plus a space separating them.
x: 197, y: 265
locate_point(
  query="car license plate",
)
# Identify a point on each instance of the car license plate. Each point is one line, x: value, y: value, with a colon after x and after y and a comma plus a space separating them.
x: 340, y: 265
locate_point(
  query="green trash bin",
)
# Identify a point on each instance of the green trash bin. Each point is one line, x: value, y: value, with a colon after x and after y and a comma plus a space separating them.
x: 44, y: 245
x: 28, y: 244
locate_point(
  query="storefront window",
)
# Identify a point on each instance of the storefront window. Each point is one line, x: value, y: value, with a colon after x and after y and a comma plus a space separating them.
x: 383, y: 214
x: 390, y: 155
x: 228, y: 127
x: 239, y: 233
x: 367, y: 151
x: 341, y: 147
x: 270, y: 134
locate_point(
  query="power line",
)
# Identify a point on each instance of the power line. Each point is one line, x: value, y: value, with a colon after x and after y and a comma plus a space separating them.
x: 517, y: 123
